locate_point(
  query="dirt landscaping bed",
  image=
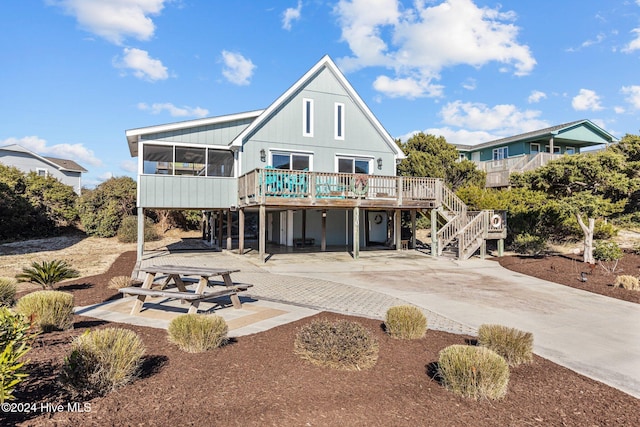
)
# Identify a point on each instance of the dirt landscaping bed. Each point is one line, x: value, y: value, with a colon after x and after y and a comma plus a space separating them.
x: 566, y: 269
x: 257, y: 380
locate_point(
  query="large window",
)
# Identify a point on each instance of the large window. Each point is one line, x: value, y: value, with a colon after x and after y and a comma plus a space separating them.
x: 170, y: 160
x: 354, y: 165
x: 569, y: 150
x: 500, y: 153
x: 291, y: 161
x: 534, y: 148
x: 338, y: 128
x: 307, y: 117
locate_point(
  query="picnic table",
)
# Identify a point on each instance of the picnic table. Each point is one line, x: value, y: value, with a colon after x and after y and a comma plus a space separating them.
x: 176, y: 273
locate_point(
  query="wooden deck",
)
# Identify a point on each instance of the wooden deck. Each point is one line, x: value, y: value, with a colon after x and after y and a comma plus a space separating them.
x: 284, y: 188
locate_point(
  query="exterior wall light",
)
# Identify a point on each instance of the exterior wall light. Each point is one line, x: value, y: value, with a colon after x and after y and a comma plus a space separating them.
x: 379, y: 162
x: 263, y: 155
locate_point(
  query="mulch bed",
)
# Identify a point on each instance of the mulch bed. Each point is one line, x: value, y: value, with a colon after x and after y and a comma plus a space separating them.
x: 566, y: 269
x: 258, y: 380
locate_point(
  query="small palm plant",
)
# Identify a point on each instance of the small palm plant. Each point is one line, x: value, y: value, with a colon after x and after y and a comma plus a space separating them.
x: 47, y: 273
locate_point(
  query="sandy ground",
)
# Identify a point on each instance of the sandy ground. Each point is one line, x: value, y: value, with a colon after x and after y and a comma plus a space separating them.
x: 88, y: 255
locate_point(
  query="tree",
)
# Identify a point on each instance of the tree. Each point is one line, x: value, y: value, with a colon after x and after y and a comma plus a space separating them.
x: 589, y: 186
x: 102, y: 209
x: 431, y: 156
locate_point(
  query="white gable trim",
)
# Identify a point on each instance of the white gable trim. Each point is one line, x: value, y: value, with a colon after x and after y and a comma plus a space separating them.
x: 324, y: 62
x: 133, y: 135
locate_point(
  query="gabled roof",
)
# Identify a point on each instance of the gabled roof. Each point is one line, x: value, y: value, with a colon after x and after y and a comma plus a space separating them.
x: 325, y: 61
x: 60, y: 164
x: 69, y: 165
x: 134, y: 134
x: 542, y: 133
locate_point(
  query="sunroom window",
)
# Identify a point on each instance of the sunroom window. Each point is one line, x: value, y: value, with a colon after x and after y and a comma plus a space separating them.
x: 195, y: 161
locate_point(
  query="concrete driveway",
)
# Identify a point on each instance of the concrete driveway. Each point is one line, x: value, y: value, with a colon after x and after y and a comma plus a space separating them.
x: 594, y: 335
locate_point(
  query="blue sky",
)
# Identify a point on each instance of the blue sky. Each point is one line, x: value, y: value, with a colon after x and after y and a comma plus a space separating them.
x: 75, y: 74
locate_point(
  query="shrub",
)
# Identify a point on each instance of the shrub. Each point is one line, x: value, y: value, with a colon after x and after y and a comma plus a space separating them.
x: 604, y: 230
x: 514, y: 345
x: 405, y: 322
x: 627, y: 282
x: 101, y: 361
x: 15, y: 338
x: 49, y: 310
x: 7, y: 292
x: 636, y: 249
x: 119, y: 282
x: 528, y: 244
x: 47, y: 273
x: 195, y: 333
x: 128, y: 231
x: 608, y: 253
x: 343, y: 345
x: 474, y: 372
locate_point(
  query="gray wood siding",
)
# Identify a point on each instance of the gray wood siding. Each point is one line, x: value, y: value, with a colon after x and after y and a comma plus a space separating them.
x: 216, y: 134
x: 187, y: 192
x: 283, y: 131
x: 27, y: 163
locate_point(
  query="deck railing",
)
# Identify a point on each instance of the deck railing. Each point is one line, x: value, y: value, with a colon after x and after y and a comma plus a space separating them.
x: 260, y: 184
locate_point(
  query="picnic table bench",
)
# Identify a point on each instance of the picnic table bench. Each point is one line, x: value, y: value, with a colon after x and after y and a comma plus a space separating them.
x: 177, y: 273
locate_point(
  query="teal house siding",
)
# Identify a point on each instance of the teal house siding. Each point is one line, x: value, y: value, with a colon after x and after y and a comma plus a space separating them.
x: 283, y: 131
x: 215, y: 134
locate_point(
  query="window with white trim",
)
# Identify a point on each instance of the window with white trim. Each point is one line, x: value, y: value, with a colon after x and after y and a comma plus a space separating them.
x: 41, y: 172
x: 353, y: 165
x: 307, y: 117
x: 569, y: 150
x: 291, y: 161
x: 500, y: 153
x: 556, y: 149
x: 338, y: 128
x: 534, y: 148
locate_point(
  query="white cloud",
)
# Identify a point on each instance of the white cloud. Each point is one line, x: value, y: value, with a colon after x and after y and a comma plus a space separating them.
x: 174, y: 111
x: 406, y: 87
x: 237, y: 69
x: 586, y: 100
x: 536, y: 96
x: 290, y: 15
x: 114, y: 20
x: 619, y: 110
x: 504, y: 119
x: 143, y: 66
x: 105, y: 176
x: 76, y: 152
x: 424, y: 40
x: 129, y: 166
x: 633, y: 44
x: 470, y: 84
x: 633, y: 95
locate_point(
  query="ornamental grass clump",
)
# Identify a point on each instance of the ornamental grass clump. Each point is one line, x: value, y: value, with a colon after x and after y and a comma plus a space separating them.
x: 7, y: 292
x: 196, y: 333
x: 514, y: 345
x: 48, y: 310
x: 405, y: 322
x: 47, y: 273
x: 343, y: 345
x: 628, y: 282
x: 119, y: 282
x: 101, y: 361
x: 473, y: 372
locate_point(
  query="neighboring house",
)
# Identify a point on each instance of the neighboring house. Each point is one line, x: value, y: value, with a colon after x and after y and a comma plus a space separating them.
x: 66, y: 171
x: 316, y: 168
x: 531, y: 150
